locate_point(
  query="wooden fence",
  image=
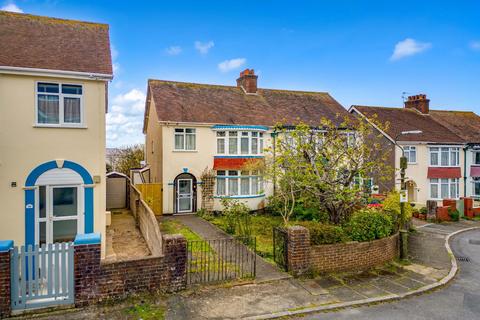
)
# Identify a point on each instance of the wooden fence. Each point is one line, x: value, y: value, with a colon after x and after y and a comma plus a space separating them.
x: 152, y: 195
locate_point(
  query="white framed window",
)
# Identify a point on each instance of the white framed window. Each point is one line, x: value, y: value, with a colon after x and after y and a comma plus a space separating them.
x: 59, y: 105
x: 185, y: 139
x: 245, y: 143
x: 410, y: 154
x: 444, y: 156
x: 234, y: 183
x: 476, y: 157
x: 444, y: 188
x: 476, y: 186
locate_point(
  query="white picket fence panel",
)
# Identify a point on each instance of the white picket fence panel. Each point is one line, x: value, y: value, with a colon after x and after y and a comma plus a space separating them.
x: 42, y: 276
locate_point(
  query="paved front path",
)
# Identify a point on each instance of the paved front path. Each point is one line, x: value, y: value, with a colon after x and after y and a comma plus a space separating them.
x: 459, y: 300
x: 265, y: 270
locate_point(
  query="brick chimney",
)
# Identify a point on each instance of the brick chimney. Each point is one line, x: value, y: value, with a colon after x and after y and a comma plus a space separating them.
x: 418, y: 102
x: 248, y: 81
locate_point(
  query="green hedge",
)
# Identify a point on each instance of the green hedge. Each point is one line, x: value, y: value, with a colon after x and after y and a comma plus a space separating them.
x: 321, y: 233
x: 368, y: 225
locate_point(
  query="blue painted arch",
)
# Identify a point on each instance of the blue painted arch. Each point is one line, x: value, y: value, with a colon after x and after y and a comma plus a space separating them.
x: 30, y: 196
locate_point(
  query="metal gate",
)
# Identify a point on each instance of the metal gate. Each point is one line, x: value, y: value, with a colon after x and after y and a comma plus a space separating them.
x: 42, y: 276
x: 280, y: 250
x: 219, y: 260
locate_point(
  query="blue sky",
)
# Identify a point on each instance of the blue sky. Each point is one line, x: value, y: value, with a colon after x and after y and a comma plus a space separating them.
x: 361, y: 52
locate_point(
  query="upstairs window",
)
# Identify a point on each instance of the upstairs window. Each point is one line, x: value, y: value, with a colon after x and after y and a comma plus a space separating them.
x: 410, y: 154
x: 444, y: 156
x: 185, y: 139
x: 59, y: 105
x: 476, y: 157
x: 239, y: 142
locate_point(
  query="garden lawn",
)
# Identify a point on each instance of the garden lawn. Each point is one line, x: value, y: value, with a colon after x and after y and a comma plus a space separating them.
x: 262, y: 229
x: 176, y: 227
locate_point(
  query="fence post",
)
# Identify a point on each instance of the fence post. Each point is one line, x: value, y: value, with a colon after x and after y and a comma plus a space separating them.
x: 5, y: 277
x: 87, y: 267
x: 175, y: 252
x: 298, y: 248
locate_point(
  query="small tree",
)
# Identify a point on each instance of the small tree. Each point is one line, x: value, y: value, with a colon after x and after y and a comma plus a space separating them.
x: 129, y: 157
x: 328, y: 162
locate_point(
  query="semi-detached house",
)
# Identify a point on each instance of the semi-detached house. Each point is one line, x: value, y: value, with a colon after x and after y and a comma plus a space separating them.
x: 443, y: 160
x: 54, y: 77
x: 190, y: 127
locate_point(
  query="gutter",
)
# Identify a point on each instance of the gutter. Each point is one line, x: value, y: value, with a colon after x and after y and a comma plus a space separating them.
x: 465, y: 170
x: 55, y: 73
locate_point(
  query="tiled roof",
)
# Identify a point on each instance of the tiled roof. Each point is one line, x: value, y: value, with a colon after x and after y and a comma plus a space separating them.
x: 216, y: 104
x: 30, y: 41
x: 401, y: 119
x: 465, y: 124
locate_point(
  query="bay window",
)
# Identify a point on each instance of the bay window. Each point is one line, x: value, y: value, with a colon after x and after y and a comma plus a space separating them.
x: 235, y: 183
x: 59, y: 105
x: 444, y: 188
x: 239, y: 142
x: 444, y: 156
x: 185, y: 139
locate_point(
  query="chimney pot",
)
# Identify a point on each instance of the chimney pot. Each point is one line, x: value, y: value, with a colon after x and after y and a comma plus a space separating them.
x: 418, y: 102
x: 248, y: 81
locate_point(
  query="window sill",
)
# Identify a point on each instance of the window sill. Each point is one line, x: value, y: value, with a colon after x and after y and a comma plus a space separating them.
x: 239, y: 156
x: 240, y: 197
x: 185, y: 151
x: 60, y: 126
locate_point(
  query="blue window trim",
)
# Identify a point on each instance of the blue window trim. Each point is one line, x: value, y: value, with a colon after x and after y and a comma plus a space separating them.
x: 241, y: 197
x: 238, y: 127
x: 239, y: 156
x: 30, y: 196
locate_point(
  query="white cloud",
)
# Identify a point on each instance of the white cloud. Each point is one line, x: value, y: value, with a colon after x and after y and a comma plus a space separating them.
x: 204, y: 47
x: 125, y: 119
x: 231, y: 64
x: 12, y: 7
x: 475, y: 45
x: 409, y: 47
x: 173, y: 50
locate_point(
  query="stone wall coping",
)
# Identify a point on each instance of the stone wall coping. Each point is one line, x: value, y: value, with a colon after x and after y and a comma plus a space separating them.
x: 88, y: 238
x: 6, y: 245
x: 356, y: 242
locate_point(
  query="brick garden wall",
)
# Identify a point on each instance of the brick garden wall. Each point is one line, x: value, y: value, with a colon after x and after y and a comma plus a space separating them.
x: 4, y: 284
x: 303, y: 257
x: 97, y: 281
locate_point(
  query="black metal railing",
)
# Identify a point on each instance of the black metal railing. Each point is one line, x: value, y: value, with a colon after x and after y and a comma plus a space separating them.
x: 218, y: 260
x: 280, y: 250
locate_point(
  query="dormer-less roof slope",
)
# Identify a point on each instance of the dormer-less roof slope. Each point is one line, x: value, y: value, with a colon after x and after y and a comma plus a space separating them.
x: 216, y: 104
x: 28, y: 41
x: 401, y: 119
x: 465, y: 124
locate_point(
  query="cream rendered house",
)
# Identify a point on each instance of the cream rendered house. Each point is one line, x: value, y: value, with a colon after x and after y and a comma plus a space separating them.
x: 54, y: 77
x: 437, y: 157
x: 190, y: 127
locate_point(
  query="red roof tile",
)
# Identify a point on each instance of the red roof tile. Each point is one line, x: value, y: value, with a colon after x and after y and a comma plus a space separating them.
x: 30, y: 41
x: 465, y: 124
x: 216, y: 104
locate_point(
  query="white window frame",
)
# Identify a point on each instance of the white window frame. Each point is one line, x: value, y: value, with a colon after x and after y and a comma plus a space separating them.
x: 439, y: 153
x: 184, y: 134
x: 474, y: 154
x: 239, y: 178
x: 439, y: 183
x: 475, y: 180
x: 408, y: 150
x: 61, y: 119
x: 226, y: 138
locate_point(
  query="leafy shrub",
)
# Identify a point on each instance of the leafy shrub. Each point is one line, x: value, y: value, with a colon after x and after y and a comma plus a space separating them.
x: 322, y: 233
x: 423, y: 210
x: 454, y: 214
x: 367, y: 225
x: 237, y: 216
x: 392, y: 205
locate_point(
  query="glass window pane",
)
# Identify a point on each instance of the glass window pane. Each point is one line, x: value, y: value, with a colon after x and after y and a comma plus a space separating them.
x: 190, y: 142
x: 254, y: 145
x: 244, y: 145
x: 434, y: 190
x: 71, y: 89
x: 476, y: 157
x: 244, y: 134
x: 254, y: 134
x: 254, y: 185
x: 476, y: 188
x: 65, y: 202
x: 179, y: 141
x: 233, y: 186
x: 190, y: 130
x: 261, y: 145
x: 220, y: 133
x: 221, y: 173
x: 71, y: 110
x: 232, y: 133
x: 221, y: 146
x: 42, y: 232
x: 42, y: 201
x: 48, y: 109
x: 434, y: 159
x: 179, y: 130
x: 233, y: 173
x: 47, y: 87
x: 444, y: 191
x: 453, y: 189
x: 221, y: 187
x: 65, y: 230
x: 245, y: 186
x: 232, y: 146
x: 444, y: 157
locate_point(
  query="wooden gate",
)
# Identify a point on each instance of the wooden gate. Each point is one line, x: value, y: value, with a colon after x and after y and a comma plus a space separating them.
x: 280, y: 247
x: 220, y: 260
x: 152, y: 194
x: 42, y: 276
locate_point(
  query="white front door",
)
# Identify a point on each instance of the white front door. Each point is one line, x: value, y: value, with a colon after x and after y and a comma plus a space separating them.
x: 184, y: 195
x: 59, y: 213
